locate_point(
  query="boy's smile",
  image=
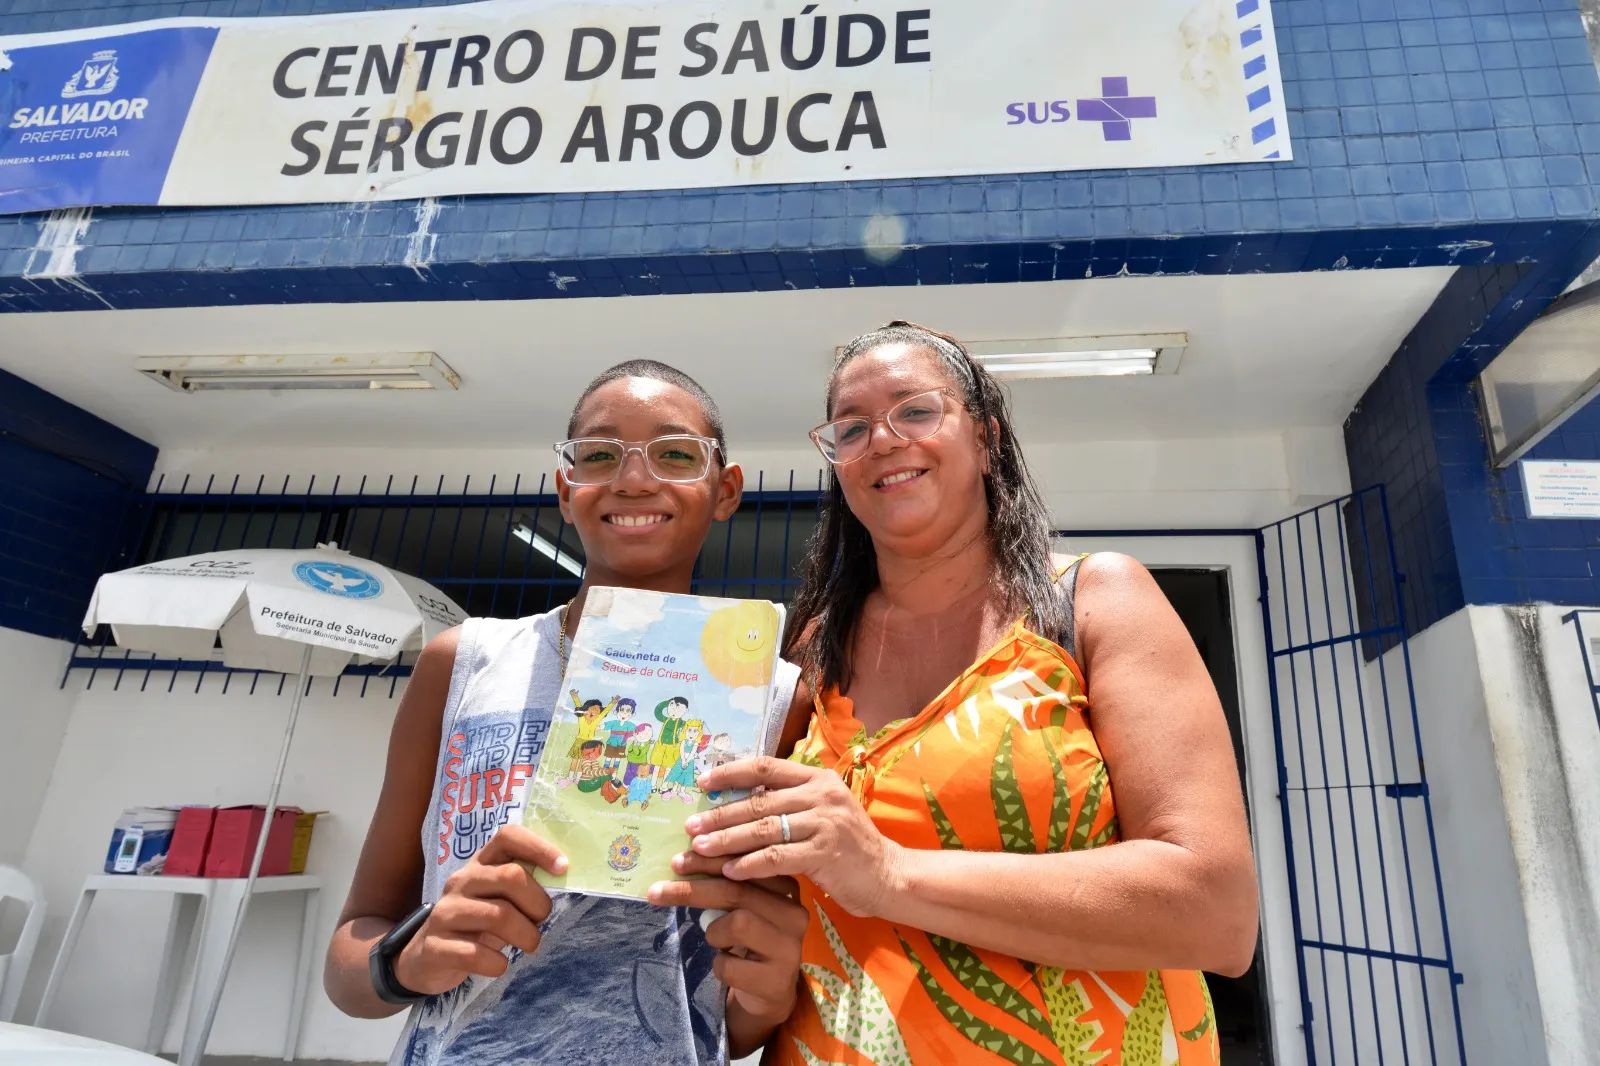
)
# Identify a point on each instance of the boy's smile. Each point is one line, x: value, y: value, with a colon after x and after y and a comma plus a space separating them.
x: 639, y: 531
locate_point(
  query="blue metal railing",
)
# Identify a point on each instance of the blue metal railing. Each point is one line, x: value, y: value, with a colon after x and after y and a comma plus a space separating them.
x: 478, y: 547
x: 1377, y: 975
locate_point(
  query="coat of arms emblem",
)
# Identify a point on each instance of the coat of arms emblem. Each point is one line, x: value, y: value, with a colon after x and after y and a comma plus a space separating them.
x: 97, y: 76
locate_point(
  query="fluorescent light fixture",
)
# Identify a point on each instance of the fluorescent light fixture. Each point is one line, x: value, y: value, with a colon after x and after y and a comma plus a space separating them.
x: 254, y: 373
x: 1082, y: 357
x: 523, y: 532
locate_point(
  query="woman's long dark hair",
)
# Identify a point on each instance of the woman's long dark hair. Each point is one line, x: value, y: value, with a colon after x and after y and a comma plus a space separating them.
x: 841, y: 567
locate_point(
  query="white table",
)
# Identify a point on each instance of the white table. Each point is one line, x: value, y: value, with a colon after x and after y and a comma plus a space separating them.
x: 214, y: 902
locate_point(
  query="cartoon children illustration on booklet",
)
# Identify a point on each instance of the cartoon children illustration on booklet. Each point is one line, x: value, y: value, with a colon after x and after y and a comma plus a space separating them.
x: 591, y: 774
x: 619, y: 730
x: 621, y: 761
x: 681, y: 778
x: 589, y: 714
x: 718, y: 752
x: 664, y: 756
x: 640, y: 775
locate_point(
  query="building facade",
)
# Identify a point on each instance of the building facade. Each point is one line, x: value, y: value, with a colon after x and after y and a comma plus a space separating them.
x: 1393, y: 634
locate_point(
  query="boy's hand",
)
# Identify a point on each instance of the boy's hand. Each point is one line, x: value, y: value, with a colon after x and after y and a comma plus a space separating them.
x: 758, y: 938
x: 488, y: 903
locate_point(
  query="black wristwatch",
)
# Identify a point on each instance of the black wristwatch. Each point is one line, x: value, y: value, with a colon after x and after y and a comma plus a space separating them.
x: 380, y: 960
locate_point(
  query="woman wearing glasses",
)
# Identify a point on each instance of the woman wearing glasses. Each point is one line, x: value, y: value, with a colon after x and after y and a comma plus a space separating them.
x: 494, y: 969
x: 1014, y: 811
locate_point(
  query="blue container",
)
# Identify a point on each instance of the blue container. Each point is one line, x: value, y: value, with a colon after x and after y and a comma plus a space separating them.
x: 140, y: 840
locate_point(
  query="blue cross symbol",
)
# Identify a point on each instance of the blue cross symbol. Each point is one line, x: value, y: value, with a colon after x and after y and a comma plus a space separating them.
x: 1115, y: 109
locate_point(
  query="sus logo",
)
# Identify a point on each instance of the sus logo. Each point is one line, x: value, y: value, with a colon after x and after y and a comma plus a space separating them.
x: 97, y: 76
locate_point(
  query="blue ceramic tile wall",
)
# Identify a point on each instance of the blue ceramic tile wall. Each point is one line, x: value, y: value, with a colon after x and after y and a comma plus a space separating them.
x: 1424, y: 130
x: 1461, y: 535
x: 1505, y: 556
x: 64, y: 478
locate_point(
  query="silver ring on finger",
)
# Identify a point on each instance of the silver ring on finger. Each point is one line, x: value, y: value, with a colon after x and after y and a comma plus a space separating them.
x: 783, y: 828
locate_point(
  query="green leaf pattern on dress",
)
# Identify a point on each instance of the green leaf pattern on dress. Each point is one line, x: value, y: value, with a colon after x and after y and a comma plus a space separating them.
x: 1102, y: 838
x: 1060, y: 807
x: 1143, y: 1039
x: 805, y: 758
x: 995, y: 1041
x: 853, y: 1009
x: 978, y: 978
x: 1207, y: 1023
x: 1090, y: 808
x: 1016, y: 831
x: 811, y: 1058
x: 941, y: 822
x: 1067, y: 1002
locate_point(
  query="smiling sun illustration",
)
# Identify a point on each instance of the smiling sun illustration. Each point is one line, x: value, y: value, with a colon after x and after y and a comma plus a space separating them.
x: 737, y: 643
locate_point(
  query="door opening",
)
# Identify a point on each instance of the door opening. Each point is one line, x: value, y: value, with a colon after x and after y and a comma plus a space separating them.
x: 1200, y: 596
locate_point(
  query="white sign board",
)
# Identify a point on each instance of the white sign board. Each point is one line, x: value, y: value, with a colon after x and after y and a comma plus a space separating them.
x: 590, y: 95
x: 1561, y: 488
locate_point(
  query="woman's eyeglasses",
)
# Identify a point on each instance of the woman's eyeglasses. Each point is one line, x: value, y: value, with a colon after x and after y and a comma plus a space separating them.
x: 844, y: 440
x: 598, y: 460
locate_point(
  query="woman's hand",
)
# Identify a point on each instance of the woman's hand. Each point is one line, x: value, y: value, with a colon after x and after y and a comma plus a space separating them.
x: 487, y: 904
x: 758, y: 938
x: 831, y: 839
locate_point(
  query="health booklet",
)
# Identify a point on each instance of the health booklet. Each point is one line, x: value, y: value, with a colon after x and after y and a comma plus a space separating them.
x: 658, y: 689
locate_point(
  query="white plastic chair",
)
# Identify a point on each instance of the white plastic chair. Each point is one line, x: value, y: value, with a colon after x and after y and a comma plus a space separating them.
x: 14, y: 884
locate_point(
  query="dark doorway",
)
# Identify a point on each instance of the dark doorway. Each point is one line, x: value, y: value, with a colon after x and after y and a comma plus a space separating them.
x: 1201, y: 599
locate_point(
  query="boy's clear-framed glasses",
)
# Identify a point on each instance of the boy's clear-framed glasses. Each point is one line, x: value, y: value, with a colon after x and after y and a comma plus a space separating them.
x: 844, y: 440
x: 677, y: 457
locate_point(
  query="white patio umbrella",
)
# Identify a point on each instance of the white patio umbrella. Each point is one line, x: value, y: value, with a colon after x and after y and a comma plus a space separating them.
x: 309, y: 612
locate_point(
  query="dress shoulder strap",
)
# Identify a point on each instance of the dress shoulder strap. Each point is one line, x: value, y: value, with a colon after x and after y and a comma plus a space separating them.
x: 1067, y: 589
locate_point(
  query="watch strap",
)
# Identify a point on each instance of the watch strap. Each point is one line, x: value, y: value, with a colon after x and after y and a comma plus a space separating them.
x: 380, y: 960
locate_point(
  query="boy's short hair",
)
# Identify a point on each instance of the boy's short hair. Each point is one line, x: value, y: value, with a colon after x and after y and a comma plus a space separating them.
x: 656, y: 371
x: 590, y: 745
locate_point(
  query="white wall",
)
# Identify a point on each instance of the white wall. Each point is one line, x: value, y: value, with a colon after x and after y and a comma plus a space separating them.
x: 33, y: 718
x: 1513, y: 756
x: 1499, y: 1002
x: 1547, y: 757
x: 128, y: 747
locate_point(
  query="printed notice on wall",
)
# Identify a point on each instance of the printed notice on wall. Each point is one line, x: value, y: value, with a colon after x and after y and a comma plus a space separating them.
x: 520, y: 96
x: 1561, y: 488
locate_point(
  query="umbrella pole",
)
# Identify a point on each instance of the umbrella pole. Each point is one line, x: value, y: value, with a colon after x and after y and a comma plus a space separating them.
x: 255, y: 863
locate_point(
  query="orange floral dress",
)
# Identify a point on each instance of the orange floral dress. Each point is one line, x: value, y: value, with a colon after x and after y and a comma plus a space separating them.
x: 1002, y: 760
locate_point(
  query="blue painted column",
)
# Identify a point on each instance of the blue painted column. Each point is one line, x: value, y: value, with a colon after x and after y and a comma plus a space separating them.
x: 66, y: 478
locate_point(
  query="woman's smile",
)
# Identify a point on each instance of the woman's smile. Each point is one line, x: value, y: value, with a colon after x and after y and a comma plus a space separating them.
x: 897, y: 479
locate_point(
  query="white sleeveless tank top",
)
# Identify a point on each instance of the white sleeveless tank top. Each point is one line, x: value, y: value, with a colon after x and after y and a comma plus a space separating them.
x: 614, y: 981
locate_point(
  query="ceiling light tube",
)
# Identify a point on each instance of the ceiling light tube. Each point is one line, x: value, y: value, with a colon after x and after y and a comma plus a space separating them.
x: 540, y: 544
x: 253, y: 373
x: 1082, y: 357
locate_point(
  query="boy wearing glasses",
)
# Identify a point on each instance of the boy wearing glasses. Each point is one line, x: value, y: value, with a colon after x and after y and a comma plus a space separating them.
x: 495, y: 970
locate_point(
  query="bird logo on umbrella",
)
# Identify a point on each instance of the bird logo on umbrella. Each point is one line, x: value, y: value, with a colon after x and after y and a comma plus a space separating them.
x: 338, y: 579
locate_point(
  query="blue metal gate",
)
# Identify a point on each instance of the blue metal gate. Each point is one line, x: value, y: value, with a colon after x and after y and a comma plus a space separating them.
x: 499, y: 549
x: 1378, y: 981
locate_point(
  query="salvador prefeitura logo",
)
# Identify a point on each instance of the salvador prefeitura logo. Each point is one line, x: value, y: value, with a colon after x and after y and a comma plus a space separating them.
x: 78, y: 118
x: 97, y: 76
